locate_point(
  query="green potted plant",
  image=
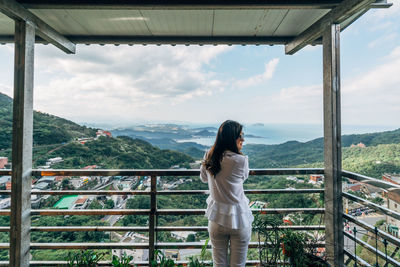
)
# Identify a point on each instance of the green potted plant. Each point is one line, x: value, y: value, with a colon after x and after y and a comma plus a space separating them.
x: 199, y: 261
x: 123, y: 261
x: 297, y: 247
x: 84, y: 258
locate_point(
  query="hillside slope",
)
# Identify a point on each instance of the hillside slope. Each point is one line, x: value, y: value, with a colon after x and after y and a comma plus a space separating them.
x: 54, y: 137
x: 113, y: 153
x: 47, y: 129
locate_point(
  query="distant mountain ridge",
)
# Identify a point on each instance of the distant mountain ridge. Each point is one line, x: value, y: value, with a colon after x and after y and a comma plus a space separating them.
x: 380, y: 154
x: 47, y: 129
x: 56, y: 137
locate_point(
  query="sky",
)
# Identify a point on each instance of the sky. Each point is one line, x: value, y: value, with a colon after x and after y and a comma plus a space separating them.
x: 125, y: 85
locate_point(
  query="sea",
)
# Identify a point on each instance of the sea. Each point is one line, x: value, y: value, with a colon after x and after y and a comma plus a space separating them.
x: 269, y: 134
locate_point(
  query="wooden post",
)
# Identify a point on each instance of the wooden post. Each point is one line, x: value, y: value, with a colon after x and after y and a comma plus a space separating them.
x: 20, y: 220
x: 332, y: 145
x: 152, y: 218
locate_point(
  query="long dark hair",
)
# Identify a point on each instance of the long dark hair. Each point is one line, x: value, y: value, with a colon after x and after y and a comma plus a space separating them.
x: 228, y: 133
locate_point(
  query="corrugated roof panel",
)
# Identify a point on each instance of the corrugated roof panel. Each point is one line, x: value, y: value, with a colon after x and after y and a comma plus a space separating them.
x: 176, y: 22
x: 237, y: 22
x: 6, y: 25
x: 95, y: 22
x: 296, y: 21
x: 270, y: 23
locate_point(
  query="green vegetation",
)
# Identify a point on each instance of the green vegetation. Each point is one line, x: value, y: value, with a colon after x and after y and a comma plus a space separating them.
x: 115, y: 153
x: 381, y: 155
x: 47, y: 129
x: 84, y: 258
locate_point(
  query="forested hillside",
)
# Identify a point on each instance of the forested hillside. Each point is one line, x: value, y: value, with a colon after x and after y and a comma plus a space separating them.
x: 47, y: 129
x: 55, y: 137
x: 113, y: 153
x: 381, y: 154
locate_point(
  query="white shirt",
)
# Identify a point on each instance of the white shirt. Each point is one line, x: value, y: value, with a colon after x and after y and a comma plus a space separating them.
x: 227, y: 204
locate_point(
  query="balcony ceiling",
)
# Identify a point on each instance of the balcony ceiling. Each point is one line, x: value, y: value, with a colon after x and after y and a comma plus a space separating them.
x: 178, y: 22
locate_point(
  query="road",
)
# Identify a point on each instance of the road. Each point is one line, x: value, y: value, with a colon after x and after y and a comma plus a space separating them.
x: 370, y: 219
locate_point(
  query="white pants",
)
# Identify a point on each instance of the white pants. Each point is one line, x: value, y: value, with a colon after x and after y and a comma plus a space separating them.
x: 239, y: 241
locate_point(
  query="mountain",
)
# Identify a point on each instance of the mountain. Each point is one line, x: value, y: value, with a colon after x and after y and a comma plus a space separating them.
x: 164, y: 136
x: 114, y: 153
x: 57, y: 137
x: 380, y: 155
x: 47, y: 129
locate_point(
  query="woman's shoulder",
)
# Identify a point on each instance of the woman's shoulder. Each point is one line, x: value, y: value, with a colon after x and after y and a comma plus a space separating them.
x: 235, y: 156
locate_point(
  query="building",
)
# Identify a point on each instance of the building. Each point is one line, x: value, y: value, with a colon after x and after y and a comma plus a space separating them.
x: 47, y: 179
x: 5, y: 203
x: 3, y: 162
x: 103, y: 133
x: 41, y: 186
x: 81, y: 202
x: 361, y: 145
x: 393, y: 225
x: 391, y: 178
x: 54, y: 160
x: 316, y: 178
x: 4, y: 180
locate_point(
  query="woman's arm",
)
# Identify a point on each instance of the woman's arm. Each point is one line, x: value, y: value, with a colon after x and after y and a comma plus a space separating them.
x: 203, y: 170
x: 203, y: 174
x: 246, y: 168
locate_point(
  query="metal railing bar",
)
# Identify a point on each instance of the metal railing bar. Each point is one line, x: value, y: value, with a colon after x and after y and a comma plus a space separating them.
x: 46, y: 212
x: 374, y: 206
x: 356, y: 258
x: 289, y: 210
x: 369, y: 180
x: 284, y: 191
x: 5, y: 192
x: 247, y: 191
x: 4, y: 229
x: 164, y: 172
x: 372, y: 249
x: 388, y: 237
x: 146, y: 229
x: 6, y: 172
x: 89, y: 192
x: 136, y: 263
x: 262, y: 211
x: 91, y: 212
x: 117, y: 245
x: 6, y: 212
x: 164, y: 192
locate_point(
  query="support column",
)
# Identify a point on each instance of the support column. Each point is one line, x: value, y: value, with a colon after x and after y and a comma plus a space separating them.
x: 332, y: 145
x: 20, y: 220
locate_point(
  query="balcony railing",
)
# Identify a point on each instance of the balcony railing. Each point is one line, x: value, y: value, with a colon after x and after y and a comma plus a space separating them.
x: 153, y: 212
x: 380, y: 236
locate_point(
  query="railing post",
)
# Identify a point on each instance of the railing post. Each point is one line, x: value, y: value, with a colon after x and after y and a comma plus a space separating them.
x: 332, y: 146
x: 20, y: 220
x: 152, y: 218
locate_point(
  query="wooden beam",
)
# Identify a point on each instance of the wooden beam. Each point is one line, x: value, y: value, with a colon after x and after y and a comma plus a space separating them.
x: 184, y: 4
x: 20, y: 220
x: 17, y: 12
x: 332, y: 146
x: 337, y: 15
x: 168, y: 40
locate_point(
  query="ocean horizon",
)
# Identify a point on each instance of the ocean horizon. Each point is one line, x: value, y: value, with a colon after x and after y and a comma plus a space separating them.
x: 270, y: 134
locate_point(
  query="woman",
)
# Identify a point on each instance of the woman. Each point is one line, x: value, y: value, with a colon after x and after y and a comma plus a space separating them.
x: 225, y: 168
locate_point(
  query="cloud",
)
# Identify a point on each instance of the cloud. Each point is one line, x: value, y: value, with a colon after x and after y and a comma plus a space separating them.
x: 260, y: 78
x: 375, y: 95
x: 123, y: 80
x: 6, y: 89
